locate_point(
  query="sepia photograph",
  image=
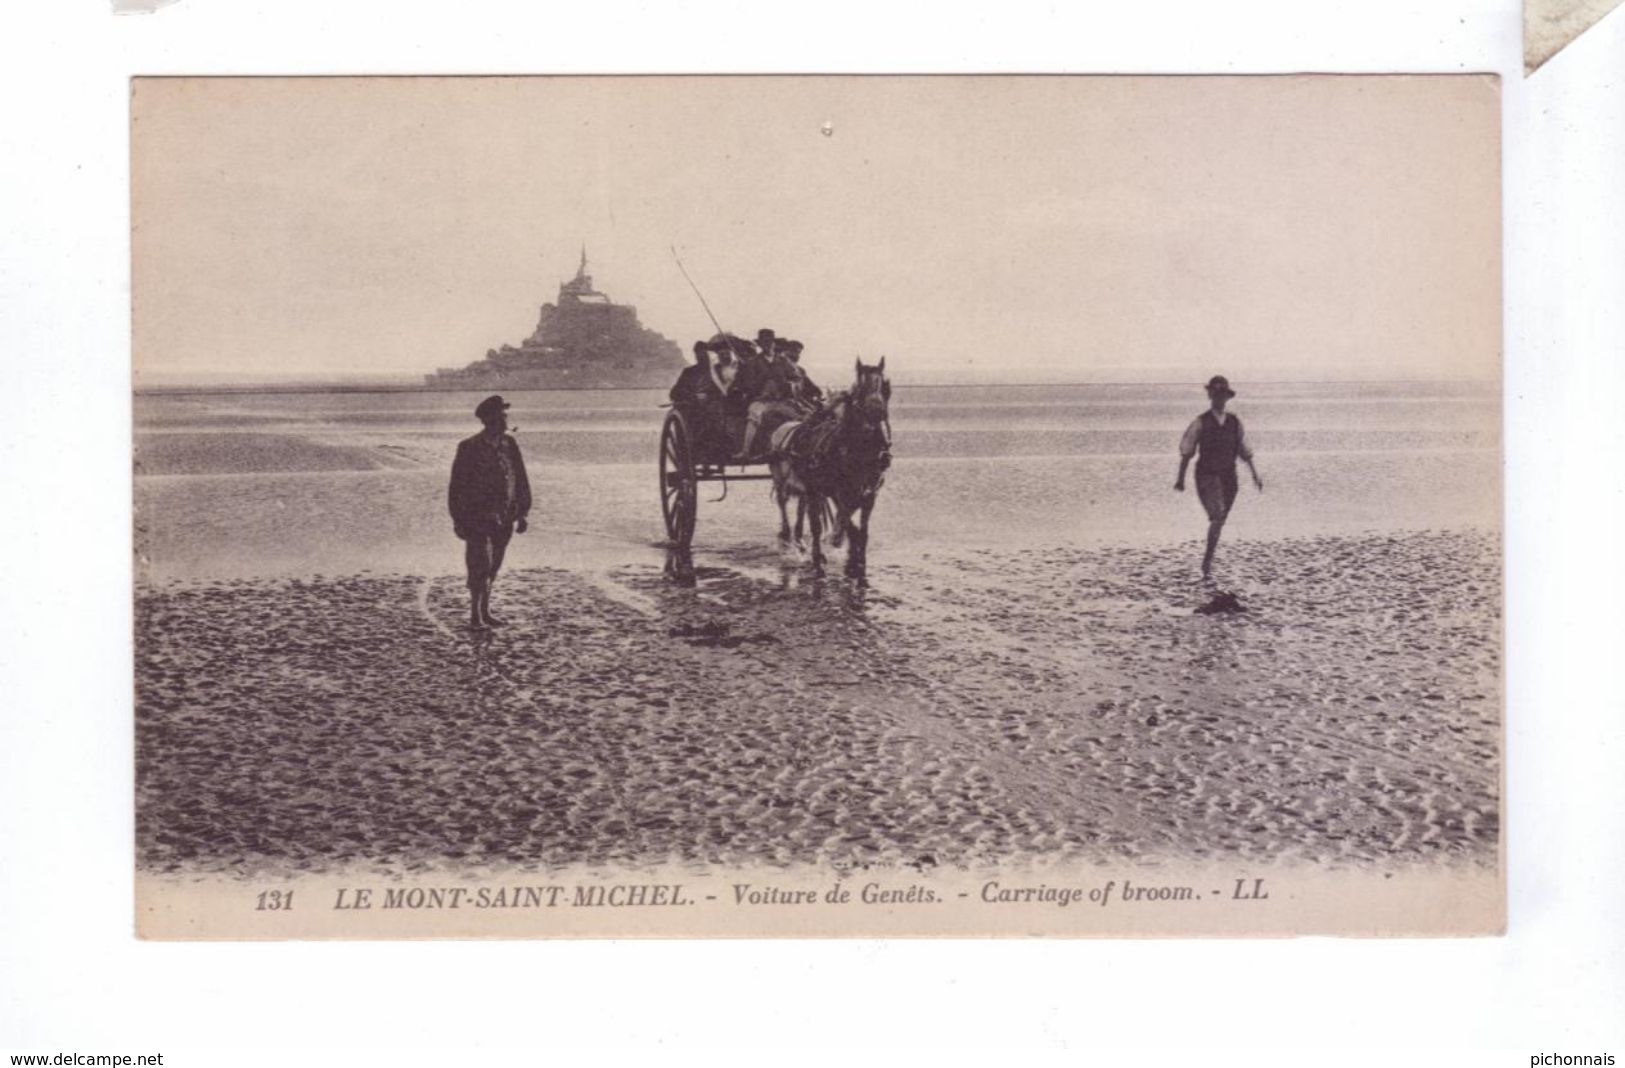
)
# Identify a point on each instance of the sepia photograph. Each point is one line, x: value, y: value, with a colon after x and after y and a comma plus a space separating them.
x: 817, y: 506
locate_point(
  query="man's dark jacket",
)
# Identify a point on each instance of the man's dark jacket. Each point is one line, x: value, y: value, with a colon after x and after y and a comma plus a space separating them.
x: 694, y: 385
x: 765, y: 379
x: 478, y: 495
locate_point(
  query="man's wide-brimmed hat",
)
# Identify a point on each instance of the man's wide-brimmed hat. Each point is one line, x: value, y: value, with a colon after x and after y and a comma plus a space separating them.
x: 490, y: 406
x: 1220, y: 384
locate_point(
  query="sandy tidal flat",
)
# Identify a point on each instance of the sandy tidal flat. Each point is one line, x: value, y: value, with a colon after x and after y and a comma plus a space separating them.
x: 984, y: 707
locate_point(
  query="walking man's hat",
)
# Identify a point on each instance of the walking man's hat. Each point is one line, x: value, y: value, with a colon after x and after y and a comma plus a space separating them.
x: 1220, y: 384
x: 490, y: 406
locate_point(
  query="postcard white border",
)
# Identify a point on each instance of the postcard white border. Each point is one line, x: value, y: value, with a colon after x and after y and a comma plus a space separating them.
x: 78, y: 976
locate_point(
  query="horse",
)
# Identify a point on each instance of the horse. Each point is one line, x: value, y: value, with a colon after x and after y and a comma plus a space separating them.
x: 835, y: 463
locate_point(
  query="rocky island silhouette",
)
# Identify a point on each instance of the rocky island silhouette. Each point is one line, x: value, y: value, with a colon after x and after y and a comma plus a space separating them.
x: 583, y: 341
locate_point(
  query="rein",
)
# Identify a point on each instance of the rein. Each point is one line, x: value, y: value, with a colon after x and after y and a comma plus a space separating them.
x: 847, y: 429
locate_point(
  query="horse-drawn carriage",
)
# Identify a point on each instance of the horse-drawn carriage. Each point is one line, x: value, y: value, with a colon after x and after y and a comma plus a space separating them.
x: 836, y: 455
x: 698, y: 443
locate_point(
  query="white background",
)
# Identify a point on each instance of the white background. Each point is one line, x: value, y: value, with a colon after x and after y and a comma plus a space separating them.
x: 73, y: 977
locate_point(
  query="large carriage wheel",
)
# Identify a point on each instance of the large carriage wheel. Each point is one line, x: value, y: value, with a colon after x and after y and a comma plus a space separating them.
x: 679, y: 500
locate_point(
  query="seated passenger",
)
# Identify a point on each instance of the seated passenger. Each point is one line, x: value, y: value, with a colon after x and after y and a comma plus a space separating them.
x: 724, y: 372
x: 697, y: 383
x: 770, y: 398
x: 766, y: 342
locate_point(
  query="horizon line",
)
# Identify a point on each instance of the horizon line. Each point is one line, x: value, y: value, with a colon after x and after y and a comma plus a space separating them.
x: 339, y: 387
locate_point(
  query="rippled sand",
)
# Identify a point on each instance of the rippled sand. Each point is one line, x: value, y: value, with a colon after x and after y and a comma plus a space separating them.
x: 1066, y: 704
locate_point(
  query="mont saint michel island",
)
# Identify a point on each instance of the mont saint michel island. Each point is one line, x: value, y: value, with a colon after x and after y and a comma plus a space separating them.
x: 583, y: 341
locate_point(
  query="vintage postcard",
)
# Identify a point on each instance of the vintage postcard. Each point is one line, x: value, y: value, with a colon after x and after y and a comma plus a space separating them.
x: 817, y: 506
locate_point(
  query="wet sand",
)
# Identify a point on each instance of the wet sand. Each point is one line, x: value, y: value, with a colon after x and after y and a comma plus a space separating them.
x: 982, y: 707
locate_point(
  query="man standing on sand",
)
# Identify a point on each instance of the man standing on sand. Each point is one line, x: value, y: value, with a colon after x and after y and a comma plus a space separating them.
x: 489, y: 499
x: 1217, y: 440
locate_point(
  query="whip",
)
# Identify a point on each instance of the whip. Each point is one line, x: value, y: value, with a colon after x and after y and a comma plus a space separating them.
x: 696, y: 290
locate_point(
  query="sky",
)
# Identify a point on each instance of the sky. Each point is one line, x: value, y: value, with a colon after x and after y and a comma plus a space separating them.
x: 968, y: 228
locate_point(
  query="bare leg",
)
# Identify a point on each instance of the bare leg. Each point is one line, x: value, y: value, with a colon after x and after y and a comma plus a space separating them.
x: 1217, y: 495
x: 485, y: 607
x: 1213, y: 529
x: 752, y: 421
x: 499, y: 548
x: 477, y: 558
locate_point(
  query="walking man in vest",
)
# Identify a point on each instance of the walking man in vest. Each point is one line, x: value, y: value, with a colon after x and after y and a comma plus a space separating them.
x: 489, y: 499
x: 1217, y: 440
